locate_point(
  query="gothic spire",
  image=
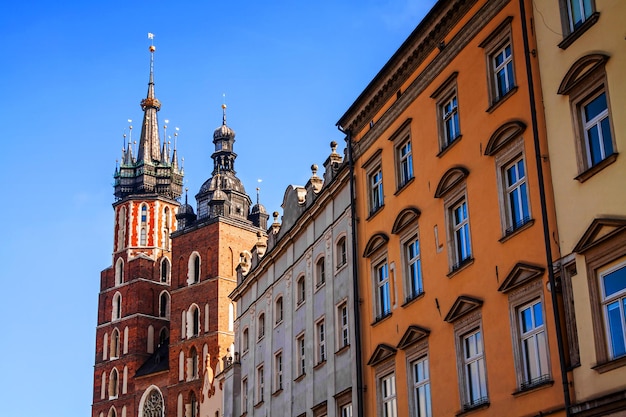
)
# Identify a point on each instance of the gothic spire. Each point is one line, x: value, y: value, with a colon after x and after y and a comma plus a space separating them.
x: 149, y: 143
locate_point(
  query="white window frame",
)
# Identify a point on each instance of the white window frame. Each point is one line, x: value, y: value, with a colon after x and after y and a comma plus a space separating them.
x: 260, y: 383
x: 376, y: 191
x: 421, y: 401
x: 320, y: 338
x: 616, y: 298
x: 536, y: 367
x: 496, y: 45
x: 343, y: 325
x: 388, y: 395
x: 300, y: 355
x: 382, y: 284
x: 411, y: 264
x: 278, y: 371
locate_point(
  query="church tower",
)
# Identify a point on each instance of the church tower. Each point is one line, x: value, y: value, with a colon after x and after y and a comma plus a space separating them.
x: 207, y: 249
x: 135, y: 301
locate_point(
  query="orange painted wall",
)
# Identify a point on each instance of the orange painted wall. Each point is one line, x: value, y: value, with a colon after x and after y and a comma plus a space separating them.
x: 493, y: 258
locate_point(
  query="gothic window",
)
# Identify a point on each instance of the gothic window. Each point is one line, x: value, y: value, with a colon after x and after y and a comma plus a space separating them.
x: 153, y: 405
x: 164, y: 305
x: 115, y: 344
x: 119, y: 271
x: 144, y: 225
x: 113, y: 384
x: 116, y: 313
x: 193, y: 275
x: 165, y: 270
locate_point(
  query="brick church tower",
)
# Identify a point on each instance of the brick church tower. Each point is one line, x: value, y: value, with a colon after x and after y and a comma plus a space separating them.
x: 164, y: 316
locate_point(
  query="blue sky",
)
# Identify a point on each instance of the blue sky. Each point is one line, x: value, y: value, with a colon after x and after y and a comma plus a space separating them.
x: 73, y: 73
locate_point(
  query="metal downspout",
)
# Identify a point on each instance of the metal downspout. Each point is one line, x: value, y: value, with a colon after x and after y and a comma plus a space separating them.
x: 544, y: 212
x: 355, y: 282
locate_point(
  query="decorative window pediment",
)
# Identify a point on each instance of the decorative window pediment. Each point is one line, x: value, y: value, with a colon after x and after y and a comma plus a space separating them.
x: 581, y: 70
x: 381, y: 353
x: 504, y: 135
x: 376, y: 242
x: 405, y: 218
x: 461, y: 307
x: 600, y: 230
x: 450, y: 179
x: 412, y: 335
x: 520, y: 274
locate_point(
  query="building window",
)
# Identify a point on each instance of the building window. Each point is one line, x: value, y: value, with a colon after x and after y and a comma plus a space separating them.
x: 342, y: 254
x: 460, y: 234
x: 376, y: 190
x: 499, y: 55
x: 421, y: 387
x: 193, y: 269
x: 119, y: 271
x: 144, y: 223
x: 301, y: 291
x: 244, y: 395
x: 473, y: 370
x: 278, y: 371
x: 534, y: 347
x: 245, y: 340
x: 165, y: 270
x: 193, y: 321
x: 261, y: 329
x: 343, y: 325
x: 447, y: 112
x: 578, y: 12
x: 388, y: 395
x: 516, y: 195
x: 192, y: 369
x: 260, y: 383
x: 300, y: 358
x: 164, y: 305
x: 320, y: 328
x: 113, y: 384
x: 413, y: 268
x: 345, y: 410
x: 613, y: 291
x: 278, y: 310
x: 193, y: 405
x: 383, y: 293
x: 586, y: 85
x: 117, y: 307
x: 115, y: 344
x: 320, y: 273
x: 404, y: 157
x: 597, y: 129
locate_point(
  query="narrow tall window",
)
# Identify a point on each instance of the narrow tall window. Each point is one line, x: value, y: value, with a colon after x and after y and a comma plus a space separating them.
x: 598, y: 139
x: 460, y: 230
x: 278, y: 371
x: 475, y: 383
x: 261, y: 324
x: 245, y: 340
x: 117, y: 306
x: 196, y: 322
x: 165, y: 270
x: 342, y: 257
x: 301, y: 289
x: 244, y: 395
x: 300, y: 357
x: 193, y: 364
x: 113, y: 384
x: 613, y: 286
x: 518, y: 211
x: 450, y: 115
x: 144, y: 225
x: 383, y: 291
x: 279, y: 310
x: 413, y: 268
x: 421, y: 387
x: 405, y: 163
x: 260, y: 383
x: 534, y: 344
x: 164, y: 305
x: 388, y: 395
x: 343, y: 325
x: 345, y: 410
x: 503, y: 71
x: 115, y: 344
x: 376, y: 190
x: 196, y: 269
x: 119, y: 271
x: 321, y: 341
x: 320, y: 272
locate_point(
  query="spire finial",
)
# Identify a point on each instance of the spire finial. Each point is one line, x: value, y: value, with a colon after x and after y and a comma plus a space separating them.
x: 224, y: 109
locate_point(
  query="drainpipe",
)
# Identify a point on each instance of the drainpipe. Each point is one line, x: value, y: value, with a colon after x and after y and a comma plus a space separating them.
x: 544, y: 212
x: 355, y: 282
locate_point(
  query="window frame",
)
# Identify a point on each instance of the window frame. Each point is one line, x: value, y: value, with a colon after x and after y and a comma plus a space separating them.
x: 278, y: 371
x: 379, y: 265
x: 375, y: 189
x: 261, y: 326
x: 495, y: 43
x: 620, y: 298
x: 343, y: 325
x: 571, y: 32
x: 260, y: 384
x: 321, y: 352
x: 300, y: 289
x: 405, y: 172
x: 300, y: 367
x: 320, y: 272
x: 341, y: 252
x: 453, y: 202
x: 410, y: 292
x: 279, y: 310
x: 443, y: 95
x: 391, y: 399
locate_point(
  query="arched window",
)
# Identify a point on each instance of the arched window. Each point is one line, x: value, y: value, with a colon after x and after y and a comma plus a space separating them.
x: 151, y: 404
x: 166, y: 229
x: 245, y: 340
x: 112, y: 412
x: 193, y: 275
x: 301, y: 290
x: 115, y: 344
x: 114, y: 382
x: 342, y: 255
x: 193, y: 405
x: 164, y: 305
x: 116, y: 313
x: 143, y: 224
x: 121, y: 228
x: 320, y: 272
x: 163, y: 336
x: 119, y: 271
x: 165, y: 270
x: 193, y: 321
x: 192, y: 370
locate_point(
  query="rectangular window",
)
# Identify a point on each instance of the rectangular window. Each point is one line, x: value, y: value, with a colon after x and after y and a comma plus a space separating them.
x: 534, y: 344
x: 342, y: 325
x: 388, y: 395
x: 413, y: 267
x: 421, y: 387
x: 474, y: 374
x: 518, y: 211
x: 450, y: 120
x: 321, y: 341
x: 613, y: 291
x: 320, y: 273
x: 300, y: 359
x: 278, y: 371
x: 260, y: 382
x: 345, y: 410
x: 405, y: 163
x: 578, y: 12
x: 502, y: 61
x: 383, y: 295
x: 597, y: 129
x: 461, y: 234
x: 376, y: 190
x: 342, y: 254
x: 244, y: 395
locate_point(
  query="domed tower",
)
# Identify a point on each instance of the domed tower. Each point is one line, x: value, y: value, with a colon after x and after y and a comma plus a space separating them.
x: 223, y: 194
x: 134, y: 301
